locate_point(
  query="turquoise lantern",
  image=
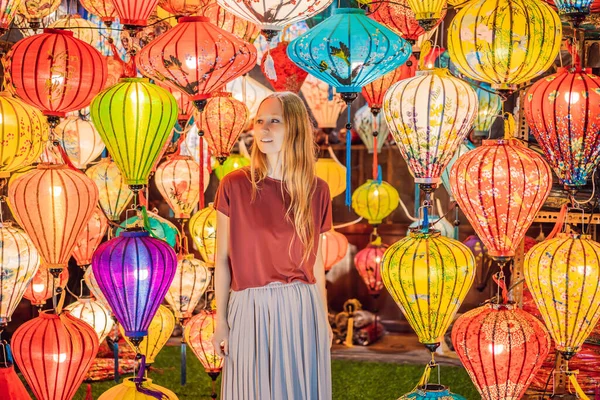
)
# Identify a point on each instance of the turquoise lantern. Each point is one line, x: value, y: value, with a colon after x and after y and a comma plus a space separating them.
x: 430, y: 391
x: 349, y: 50
x: 490, y: 106
x: 464, y: 147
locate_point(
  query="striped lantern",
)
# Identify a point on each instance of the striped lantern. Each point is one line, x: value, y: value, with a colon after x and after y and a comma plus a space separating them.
x: 332, y: 172
x: 428, y: 275
x: 35, y: 10
x: 374, y: 91
x: 178, y: 183
x: 184, y: 8
x: 82, y: 29
x: 375, y: 200
x: 8, y: 10
x: 326, y: 110
x: 43, y: 285
x: 192, y: 278
x: 105, y: 10
x: 92, y: 312
x: 490, y: 107
x: 334, y: 247
x: 427, y: 12
x: 113, y: 193
x: 92, y: 284
x: 80, y: 139
x: 399, y: 17
x: 203, y: 228
x: 53, y: 204
x: 160, y: 330
x: 198, y: 333
x: 90, y: 238
x: 54, y: 354
x: 134, y: 13
x: 368, y: 265
x: 240, y: 27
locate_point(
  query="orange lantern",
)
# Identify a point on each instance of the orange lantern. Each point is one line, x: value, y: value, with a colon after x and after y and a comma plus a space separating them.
x: 54, y: 353
x: 178, y: 183
x: 374, y: 91
x: 198, y: 333
x: 43, y: 286
x: 334, y: 246
x: 240, y: 27
x: 90, y: 237
x: 104, y: 9
x: 134, y: 13
x: 11, y: 387
x: 53, y: 203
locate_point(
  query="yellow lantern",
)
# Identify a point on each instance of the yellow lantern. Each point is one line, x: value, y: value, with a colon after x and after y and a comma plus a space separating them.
x: 203, y: 228
x: 192, y: 278
x: 334, y: 173
x: 178, y: 183
x: 160, y: 330
x: 92, y: 312
x: 113, y: 192
x: 504, y: 42
x: 129, y: 391
x: 427, y: 12
x: 375, y: 200
x: 82, y: 28
x: 92, y: 284
x: 562, y: 275
x: 35, y: 10
x: 428, y: 275
x: 80, y: 139
x: 325, y: 111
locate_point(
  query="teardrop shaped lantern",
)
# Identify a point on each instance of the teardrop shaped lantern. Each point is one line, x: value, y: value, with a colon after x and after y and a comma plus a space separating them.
x: 375, y: 200
x: 92, y: 284
x: 178, y: 183
x: 368, y: 265
x: 369, y: 125
x: 507, y: 177
x: 183, y: 8
x: 90, y: 237
x: 374, y: 91
x: 134, y: 136
x: 332, y: 172
x: 113, y: 192
x: 399, y: 17
x: 502, y: 347
x: 92, y: 312
x: 203, y: 228
x: 134, y: 271
x: 506, y: 42
x: 35, y: 10
x: 54, y: 353
x: 232, y: 163
x: 563, y: 111
x: 8, y: 10
x: 134, y: 13
x: 428, y: 275
x: 196, y: 57
x: 240, y: 27
x: 325, y: 108
x: 128, y: 390
x: 490, y: 108
x: 248, y: 91
x: 192, y: 278
x: 198, y: 333
x: 82, y: 29
x: 285, y: 75
x: 431, y: 391
x: 19, y: 262
x: 429, y: 116
x: 464, y: 147
x: 56, y: 72
x: 160, y: 330
x: 334, y: 247
x: 43, y: 285
x: 562, y: 275
x: 80, y: 139
x: 105, y: 10
x: 53, y: 203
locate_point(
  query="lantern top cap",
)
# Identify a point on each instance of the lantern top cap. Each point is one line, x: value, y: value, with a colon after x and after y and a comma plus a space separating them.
x: 130, y: 382
x: 341, y: 11
x: 193, y: 19
x: 52, y: 166
x: 142, y: 80
x: 573, y: 235
x: 135, y: 233
x: 430, y: 387
x: 420, y: 234
x: 500, y: 142
x: 48, y: 314
x: 58, y: 31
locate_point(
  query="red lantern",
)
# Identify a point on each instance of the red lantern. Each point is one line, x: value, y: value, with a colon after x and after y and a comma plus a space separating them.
x: 334, y: 246
x: 184, y: 104
x: 90, y: 237
x: 54, y: 352
x: 134, y: 12
x: 196, y: 57
x: 198, y: 333
x: 288, y: 77
x: 11, y: 387
x: 502, y: 347
x: 42, y: 286
x: 500, y: 187
x: 399, y: 17
x: 55, y: 72
x: 374, y: 91
x: 368, y: 265
x: 182, y: 8
x: 229, y: 22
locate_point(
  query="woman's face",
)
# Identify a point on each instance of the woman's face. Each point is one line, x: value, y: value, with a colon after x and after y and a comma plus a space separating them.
x: 269, y: 127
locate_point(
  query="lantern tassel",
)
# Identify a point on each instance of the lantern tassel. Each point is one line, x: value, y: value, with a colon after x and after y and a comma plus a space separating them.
x: 349, y: 332
x: 379, y: 175
x: 577, y: 388
x: 116, y: 357
x: 375, y: 161
x: 140, y: 379
x: 425, y: 219
x: 330, y: 93
x: 65, y: 156
x: 201, y: 159
x: 88, y: 392
x: 9, y: 356
x: 183, y: 363
x: 499, y: 279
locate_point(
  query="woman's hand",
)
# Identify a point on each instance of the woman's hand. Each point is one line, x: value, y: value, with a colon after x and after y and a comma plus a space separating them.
x: 220, y: 339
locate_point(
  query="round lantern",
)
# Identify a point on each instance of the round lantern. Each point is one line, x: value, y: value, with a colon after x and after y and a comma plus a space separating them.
x: 431, y: 391
x: 429, y: 116
x: 248, y: 91
x: 93, y: 313
x: 19, y: 262
x: 181, y: 8
x: 490, y: 107
x: 232, y: 163
x: 8, y: 10
x: 198, y: 333
x: 134, y: 136
x: 325, y: 108
x: 35, y: 10
x: 375, y: 200
x: 54, y: 353
x: 374, y: 91
x: 563, y: 111
x: 134, y: 13
x: 562, y: 275
x: 128, y: 389
x: 191, y: 281
x: 82, y: 28
x: 56, y: 72
x: 367, y: 124
x: 332, y: 172
x: 229, y: 22
x: 203, y: 228
x: 188, y: 58
x: 80, y: 139
x: 11, y: 387
x: 43, y: 286
x: 507, y: 177
x: 222, y: 121
x: 502, y: 347
x: 428, y: 275
x: 178, y: 183
x: 113, y: 192
x: 134, y: 271
x: 399, y: 17
x: 53, y: 203
x: 160, y: 330
x: 334, y: 247
x: 105, y: 10
x: 161, y: 228
x: 92, y: 284
x: 90, y: 237
x: 504, y: 42
x: 284, y: 75
x: 464, y: 147
x: 368, y: 265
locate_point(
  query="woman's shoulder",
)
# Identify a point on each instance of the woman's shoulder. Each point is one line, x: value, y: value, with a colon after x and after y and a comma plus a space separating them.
x: 321, y: 186
x: 236, y: 177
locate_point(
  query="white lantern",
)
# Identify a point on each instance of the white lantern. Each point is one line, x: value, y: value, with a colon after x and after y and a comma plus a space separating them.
x: 366, y: 123
x: 92, y: 312
x: 325, y: 111
x: 80, y: 139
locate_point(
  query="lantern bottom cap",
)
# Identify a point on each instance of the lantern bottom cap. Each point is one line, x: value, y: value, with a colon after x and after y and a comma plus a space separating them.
x: 133, y: 335
x: 568, y: 352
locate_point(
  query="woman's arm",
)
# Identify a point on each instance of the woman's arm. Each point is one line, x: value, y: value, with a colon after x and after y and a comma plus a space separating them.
x: 222, y: 285
x: 319, y: 271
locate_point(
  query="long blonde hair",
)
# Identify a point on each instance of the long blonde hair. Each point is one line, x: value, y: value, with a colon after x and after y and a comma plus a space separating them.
x: 298, y: 166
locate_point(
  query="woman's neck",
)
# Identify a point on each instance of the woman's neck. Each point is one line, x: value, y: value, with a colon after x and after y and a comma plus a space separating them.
x: 274, y: 166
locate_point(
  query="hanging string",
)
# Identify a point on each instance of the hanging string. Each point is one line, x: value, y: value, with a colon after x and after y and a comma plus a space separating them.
x: 183, y: 361
x: 202, y: 162
x: 139, y: 380
x: 499, y: 279
x: 375, y: 146
x: 348, y: 159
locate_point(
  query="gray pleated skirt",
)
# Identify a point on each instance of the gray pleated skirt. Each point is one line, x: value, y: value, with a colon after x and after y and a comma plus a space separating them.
x: 278, y: 344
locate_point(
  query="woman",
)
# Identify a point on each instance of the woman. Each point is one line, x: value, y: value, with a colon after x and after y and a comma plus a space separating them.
x: 272, y: 326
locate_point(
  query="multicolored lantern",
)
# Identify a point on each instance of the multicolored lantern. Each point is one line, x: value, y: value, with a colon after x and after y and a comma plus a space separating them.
x: 19, y: 262
x: 53, y: 203
x: 203, y: 228
x: 368, y: 265
x: 507, y: 177
x: 490, y: 107
x: 431, y: 391
x: 160, y: 227
x: 113, y: 192
x: 332, y: 172
x: 135, y: 136
x: 183, y: 8
x: 232, y: 163
x: 399, y: 17
x: 428, y: 275
x: 334, y: 247
x: 90, y: 237
x: 160, y: 330
x: 229, y: 22
x: 178, y: 183
x: 464, y: 147
x: 191, y: 281
x: 43, y: 286
x: 575, y: 10
x: 35, y: 10
x: 369, y: 126
x: 134, y: 271
x: 82, y: 28
x: 80, y: 139
x: 198, y: 334
x: 134, y: 13
x: 105, y: 10
x: 8, y: 10
x: 326, y: 110
x: 283, y: 75
x: 375, y: 200
x: 54, y: 353
x: 128, y: 390
x: 563, y: 111
x: 502, y: 347
x: 92, y: 312
x: 504, y: 43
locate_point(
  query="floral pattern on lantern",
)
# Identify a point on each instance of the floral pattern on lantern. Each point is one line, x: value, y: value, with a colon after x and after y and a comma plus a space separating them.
x: 368, y: 265
x: 113, y: 192
x: 80, y: 139
x: 82, y: 28
x: 42, y: 284
x: 399, y: 17
x: 375, y: 200
x: 134, y: 13
x: 287, y: 76
x: 92, y: 312
x: 366, y: 124
x: 160, y: 330
x: 334, y: 247
x: 103, y: 9
x: 192, y: 278
x: 35, y: 10
x: 229, y: 22
x: 326, y: 110
x: 203, y: 228
x: 198, y: 333
x: 128, y: 390
x: 332, y: 172
x: 232, y: 163
x: 90, y: 237
x: 178, y: 183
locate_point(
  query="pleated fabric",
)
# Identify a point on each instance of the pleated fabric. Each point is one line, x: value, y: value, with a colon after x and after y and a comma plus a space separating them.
x: 278, y: 344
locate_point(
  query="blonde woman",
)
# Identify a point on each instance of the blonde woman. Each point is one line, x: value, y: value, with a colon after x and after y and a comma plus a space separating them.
x: 272, y: 323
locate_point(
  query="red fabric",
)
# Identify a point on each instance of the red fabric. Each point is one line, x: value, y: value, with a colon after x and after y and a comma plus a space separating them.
x: 398, y: 16
x: 11, y: 387
x: 260, y: 235
x: 134, y: 12
x: 290, y: 77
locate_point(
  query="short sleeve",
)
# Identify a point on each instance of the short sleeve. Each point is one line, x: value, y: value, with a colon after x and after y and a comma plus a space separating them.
x: 326, y: 218
x: 222, y: 198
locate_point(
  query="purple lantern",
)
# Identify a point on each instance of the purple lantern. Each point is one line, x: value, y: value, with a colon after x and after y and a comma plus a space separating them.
x: 134, y: 272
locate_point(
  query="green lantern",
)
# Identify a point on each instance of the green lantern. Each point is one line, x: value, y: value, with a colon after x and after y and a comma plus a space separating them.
x: 160, y: 228
x: 233, y: 162
x: 134, y: 119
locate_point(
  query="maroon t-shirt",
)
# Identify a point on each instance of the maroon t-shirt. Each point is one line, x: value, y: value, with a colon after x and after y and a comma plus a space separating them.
x: 260, y: 235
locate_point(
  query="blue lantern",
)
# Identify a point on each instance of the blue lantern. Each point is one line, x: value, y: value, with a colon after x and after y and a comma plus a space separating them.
x: 430, y: 391
x: 490, y: 106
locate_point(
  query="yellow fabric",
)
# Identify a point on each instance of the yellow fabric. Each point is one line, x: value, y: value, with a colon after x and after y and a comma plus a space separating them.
x: 578, y: 389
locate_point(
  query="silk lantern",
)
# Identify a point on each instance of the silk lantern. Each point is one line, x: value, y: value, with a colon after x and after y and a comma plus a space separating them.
x: 428, y: 275
x: 399, y: 17
x: 332, y: 172
x: 427, y: 12
x: 19, y: 262
x: 160, y: 227
x: 43, y: 286
x: 90, y: 237
x: 92, y: 284
x: 198, y: 333
x: 197, y: 58
x: 35, y: 10
x: 113, y: 192
x: 105, y: 10
x: 334, y: 247
x: 203, y: 228
x: 368, y: 265
x: 429, y: 116
x: 92, y: 312
x: 53, y: 203
x: 82, y: 28
x: 232, y: 163
x: 181, y: 8
x: 563, y: 112
x: 134, y: 272
x: 375, y: 200
x: 248, y: 91
x: 431, y: 391
x: 504, y: 43
x: 502, y: 347
x: 134, y: 136
x: 283, y: 75
x: 369, y: 126
x: 192, y: 278
x: 134, y: 13
x: 178, y: 183
x: 56, y: 72
x: 80, y: 140
x: 490, y: 107
x: 160, y: 330
x: 229, y: 22
x: 128, y: 390
x: 374, y: 91
x: 326, y: 110
x: 436, y: 222
x: 574, y: 10
x: 562, y: 275
x: 11, y: 387
x: 184, y: 105
x: 508, y: 178
x: 464, y: 147
x: 8, y: 9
